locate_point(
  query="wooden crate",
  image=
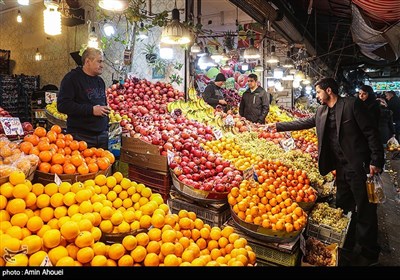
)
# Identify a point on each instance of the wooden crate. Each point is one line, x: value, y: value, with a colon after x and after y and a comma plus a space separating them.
x: 143, y: 160
x: 159, y: 182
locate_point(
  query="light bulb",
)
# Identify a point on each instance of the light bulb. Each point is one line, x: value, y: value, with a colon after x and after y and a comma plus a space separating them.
x: 108, y: 29
x: 19, y: 17
x: 23, y: 2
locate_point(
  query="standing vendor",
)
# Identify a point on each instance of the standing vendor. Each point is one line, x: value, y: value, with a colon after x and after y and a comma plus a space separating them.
x: 213, y: 94
x: 82, y: 97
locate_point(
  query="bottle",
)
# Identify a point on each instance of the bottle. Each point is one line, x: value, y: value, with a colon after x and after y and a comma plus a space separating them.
x: 371, y: 189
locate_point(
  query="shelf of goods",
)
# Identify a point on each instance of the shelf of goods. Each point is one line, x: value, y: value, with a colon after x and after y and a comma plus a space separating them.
x: 15, y: 94
x: 271, y: 253
x: 213, y: 214
x: 45, y: 178
x: 328, y: 224
x: 53, y: 120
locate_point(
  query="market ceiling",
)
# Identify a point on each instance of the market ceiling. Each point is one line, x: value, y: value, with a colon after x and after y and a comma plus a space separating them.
x: 346, y: 35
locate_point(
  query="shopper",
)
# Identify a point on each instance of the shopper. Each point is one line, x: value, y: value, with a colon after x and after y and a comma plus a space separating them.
x: 386, y: 127
x: 254, y: 105
x: 82, y: 97
x: 366, y: 94
x: 213, y: 94
x: 349, y: 143
x: 393, y: 102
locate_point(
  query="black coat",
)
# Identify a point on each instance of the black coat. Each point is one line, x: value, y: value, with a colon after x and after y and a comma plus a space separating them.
x: 373, y: 108
x: 212, y: 94
x: 357, y: 136
x: 254, y: 106
x: 386, y: 127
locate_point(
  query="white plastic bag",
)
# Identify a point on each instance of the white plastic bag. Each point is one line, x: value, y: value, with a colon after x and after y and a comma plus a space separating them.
x: 392, y: 142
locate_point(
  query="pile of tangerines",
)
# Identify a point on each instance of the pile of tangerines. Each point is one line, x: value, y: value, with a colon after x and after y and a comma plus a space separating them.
x: 60, y: 154
x: 67, y: 223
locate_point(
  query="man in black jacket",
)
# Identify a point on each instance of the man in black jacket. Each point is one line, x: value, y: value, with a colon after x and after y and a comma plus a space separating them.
x: 349, y: 143
x: 254, y: 104
x: 393, y: 102
x: 213, y: 94
x: 82, y: 97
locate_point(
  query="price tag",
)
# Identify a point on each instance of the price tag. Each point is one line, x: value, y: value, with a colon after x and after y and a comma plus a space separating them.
x: 170, y: 156
x: 229, y: 121
x: 11, y: 126
x: 287, y: 144
x: 248, y: 173
x: 46, y: 261
x: 217, y: 134
x: 303, y: 244
x: 57, y: 180
x: 49, y: 97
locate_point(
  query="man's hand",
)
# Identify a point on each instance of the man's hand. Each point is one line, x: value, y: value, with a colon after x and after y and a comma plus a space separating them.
x: 222, y: 101
x: 101, y: 111
x: 270, y: 126
x: 374, y: 170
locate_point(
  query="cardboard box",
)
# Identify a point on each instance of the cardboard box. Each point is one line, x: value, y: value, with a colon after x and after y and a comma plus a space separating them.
x: 138, y: 146
x: 144, y: 160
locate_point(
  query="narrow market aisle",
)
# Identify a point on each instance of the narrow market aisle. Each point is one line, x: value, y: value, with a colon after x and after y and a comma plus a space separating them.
x: 389, y: 215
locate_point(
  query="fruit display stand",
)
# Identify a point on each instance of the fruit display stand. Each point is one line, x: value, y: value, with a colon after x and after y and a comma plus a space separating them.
x: 45, y: 178
x: 327, y: 233
x: 208, y: 197
x: 53, y: 120
x: 137, y: 152
x: 157, y: 181
x: 271, y: 253
x: 213, y: 214
x: 264, y: 234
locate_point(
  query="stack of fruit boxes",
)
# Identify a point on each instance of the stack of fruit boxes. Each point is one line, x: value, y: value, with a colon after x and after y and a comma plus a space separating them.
x: 146, y: 165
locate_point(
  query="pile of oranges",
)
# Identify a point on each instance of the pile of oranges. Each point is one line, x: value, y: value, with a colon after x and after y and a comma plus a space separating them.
x: 267, y: 206
x: 67, y: 223
x: 60, y: 154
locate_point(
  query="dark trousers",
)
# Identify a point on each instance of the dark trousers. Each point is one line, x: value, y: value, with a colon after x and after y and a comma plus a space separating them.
x: 97, y: 141
x: 352, y: 196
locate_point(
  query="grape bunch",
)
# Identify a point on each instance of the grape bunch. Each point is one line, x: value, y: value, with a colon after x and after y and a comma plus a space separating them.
x: 232, y: 97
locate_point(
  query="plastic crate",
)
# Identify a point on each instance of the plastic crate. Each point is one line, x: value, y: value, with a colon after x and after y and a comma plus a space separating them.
x: 275, y: 256
x: 159, y: 182
x: 326, y: 233
x: 208, y: 215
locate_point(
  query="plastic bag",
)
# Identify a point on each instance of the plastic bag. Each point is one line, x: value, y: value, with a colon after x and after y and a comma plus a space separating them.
x: 375, y: 189
x: 393, y: 142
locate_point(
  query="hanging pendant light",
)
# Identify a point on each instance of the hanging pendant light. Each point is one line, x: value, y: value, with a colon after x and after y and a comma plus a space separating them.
x: 38, y: 55
x: 251, y: 52
x: 109, y: 28
x: 175, y: 33
x: 19, y: 17
x: 166, y: 51
x: 288, y: 61
x: 93, y: 41
x: 195, y: 48
x: 259, y: 67
x: 23, y: 2
x: 206, y: 61
x: 217, y: 55
x: 114, y: 5
x: 272, y: 58
x: 52, y: 18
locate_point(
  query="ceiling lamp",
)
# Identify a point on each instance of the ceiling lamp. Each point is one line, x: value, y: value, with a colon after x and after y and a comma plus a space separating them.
x: 217, y: 55
x: 52, y: 18
x: 299, y: 76
x: 175, y: 33
x: 195, y: 48
x: 109, y: 29
x: 114, y: 5
x: 206, y: 61
x: 288, y: 61
x: 272, y: 58
x: 251, y: 52
x: 226, y: 67
x: 23, y: 2
x: 19, y: 17
x: 93, y: 41
x: 38, y: 55
x: 259, y: 67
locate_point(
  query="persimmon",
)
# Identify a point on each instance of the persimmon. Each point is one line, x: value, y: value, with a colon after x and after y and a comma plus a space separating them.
x: 45, y: 156
x: 52, y: 135
x: 26, y: 147
x: 40, y: 131
x: 32, y: 138
x: 76, y: 160
x: 56, y: 169
x: 69, y: 168
x: 60, y: 143
x: 82, y: 146
x: 103, y: 163
x: 43, y: 145
x: 58, y: 159
x: 74, y: 145
x: 56, y: 128
x: 44, y: 167
x: 83, y: 169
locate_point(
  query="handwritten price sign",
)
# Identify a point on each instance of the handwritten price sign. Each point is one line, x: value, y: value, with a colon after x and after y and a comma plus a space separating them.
x: 11, y: 126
